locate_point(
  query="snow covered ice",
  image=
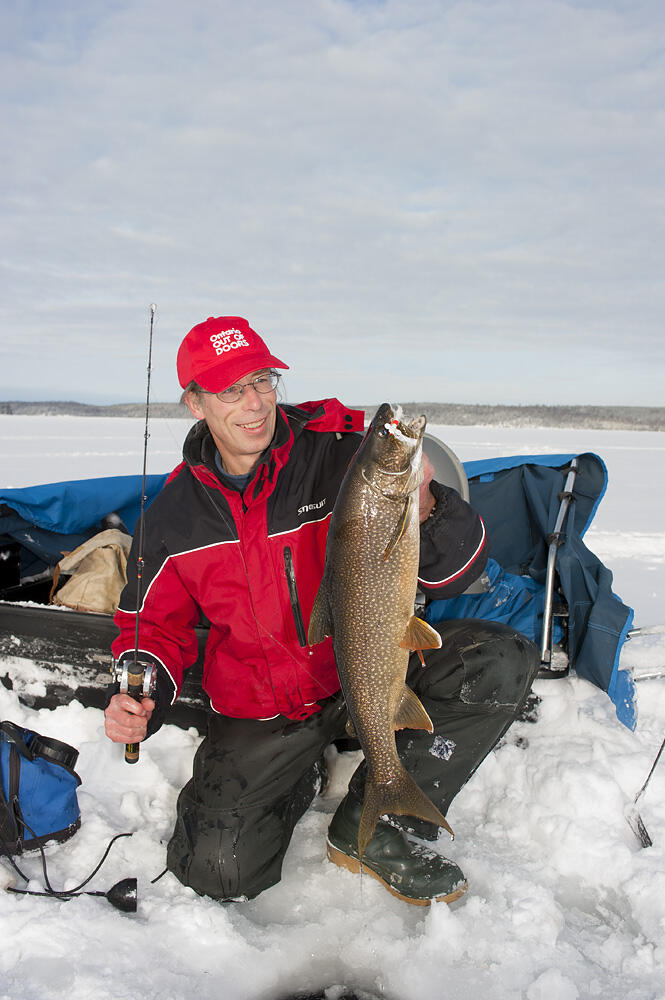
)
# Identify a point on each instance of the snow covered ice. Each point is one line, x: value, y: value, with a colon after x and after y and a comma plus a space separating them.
x: 563, y: 902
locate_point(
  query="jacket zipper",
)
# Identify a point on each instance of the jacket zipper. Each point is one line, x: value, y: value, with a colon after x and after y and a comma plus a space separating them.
x: 293, y: 596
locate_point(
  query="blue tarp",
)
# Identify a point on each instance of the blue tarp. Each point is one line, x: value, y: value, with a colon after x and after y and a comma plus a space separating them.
x: 518, y: 498
x: 53, y: 518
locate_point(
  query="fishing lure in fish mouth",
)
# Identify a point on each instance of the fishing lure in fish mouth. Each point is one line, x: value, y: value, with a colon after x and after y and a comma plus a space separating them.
x: 397, y: 432
x: 398, y: 428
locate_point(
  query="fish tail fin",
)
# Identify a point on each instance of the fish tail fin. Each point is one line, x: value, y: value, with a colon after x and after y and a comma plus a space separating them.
x: 402, y: 797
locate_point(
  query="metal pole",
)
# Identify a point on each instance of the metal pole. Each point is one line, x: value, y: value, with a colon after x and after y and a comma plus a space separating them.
x: 555, y: 541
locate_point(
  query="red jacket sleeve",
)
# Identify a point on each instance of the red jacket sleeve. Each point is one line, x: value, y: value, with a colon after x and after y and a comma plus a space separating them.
x: 166, y: 622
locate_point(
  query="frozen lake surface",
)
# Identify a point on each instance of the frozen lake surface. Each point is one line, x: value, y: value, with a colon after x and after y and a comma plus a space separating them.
x: 563, y: 903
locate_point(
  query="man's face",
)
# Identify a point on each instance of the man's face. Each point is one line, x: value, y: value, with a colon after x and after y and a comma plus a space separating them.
x: 241, y: 430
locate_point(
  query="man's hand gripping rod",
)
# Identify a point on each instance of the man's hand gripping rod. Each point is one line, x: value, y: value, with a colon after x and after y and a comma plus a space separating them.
x: 137, y: 677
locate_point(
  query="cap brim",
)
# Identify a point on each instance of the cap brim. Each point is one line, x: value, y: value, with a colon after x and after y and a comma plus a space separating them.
x: 218, y: 377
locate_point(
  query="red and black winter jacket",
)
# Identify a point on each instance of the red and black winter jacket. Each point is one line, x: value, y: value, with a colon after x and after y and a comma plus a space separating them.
x: 241, y: 558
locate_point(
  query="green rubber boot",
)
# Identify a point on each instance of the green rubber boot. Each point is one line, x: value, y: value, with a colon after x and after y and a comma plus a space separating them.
x: 407, y: 870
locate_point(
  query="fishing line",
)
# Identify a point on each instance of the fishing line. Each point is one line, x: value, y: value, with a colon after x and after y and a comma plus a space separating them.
x: 146, y: 435
x: 261, y: 627
x: 186, y: 417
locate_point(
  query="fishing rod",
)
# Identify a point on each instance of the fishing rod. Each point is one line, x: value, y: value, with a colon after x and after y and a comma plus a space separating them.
x: 632, y: 813
x: 137, y: 677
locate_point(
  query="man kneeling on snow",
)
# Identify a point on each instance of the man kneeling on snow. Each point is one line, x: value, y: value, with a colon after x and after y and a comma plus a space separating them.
x: 239, y: 521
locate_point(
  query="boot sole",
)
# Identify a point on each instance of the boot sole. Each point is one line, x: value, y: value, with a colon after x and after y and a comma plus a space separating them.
x: 353, y: 865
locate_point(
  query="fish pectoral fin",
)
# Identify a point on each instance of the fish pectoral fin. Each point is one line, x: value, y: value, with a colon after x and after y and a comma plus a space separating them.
x: 399, y: 529
x: 420, y: 635
x: 411, y: 714
x: 320, y: 622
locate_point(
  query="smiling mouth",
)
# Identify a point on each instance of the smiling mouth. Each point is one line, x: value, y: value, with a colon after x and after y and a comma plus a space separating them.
x: 254, y: 425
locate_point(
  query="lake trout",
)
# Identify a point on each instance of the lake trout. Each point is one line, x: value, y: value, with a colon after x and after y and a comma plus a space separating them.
x: 366, y: 603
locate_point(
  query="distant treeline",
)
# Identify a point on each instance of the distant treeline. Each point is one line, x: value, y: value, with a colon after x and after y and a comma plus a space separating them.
x: 629, y: 418
x: 611, y: 418
x: 71, y: 409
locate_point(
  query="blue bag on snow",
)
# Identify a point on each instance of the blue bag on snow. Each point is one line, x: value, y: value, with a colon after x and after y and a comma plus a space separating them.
x: 38, y: 790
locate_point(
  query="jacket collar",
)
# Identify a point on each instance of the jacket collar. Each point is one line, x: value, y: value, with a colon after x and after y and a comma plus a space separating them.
x: 322, y: 415
x: 200, y: 449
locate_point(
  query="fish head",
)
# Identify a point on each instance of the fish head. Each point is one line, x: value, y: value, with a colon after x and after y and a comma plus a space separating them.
x: 393, y: 446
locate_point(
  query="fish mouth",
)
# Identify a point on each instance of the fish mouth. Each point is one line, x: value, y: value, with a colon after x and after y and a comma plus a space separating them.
x: 394, y: 445
x: 390, y: 418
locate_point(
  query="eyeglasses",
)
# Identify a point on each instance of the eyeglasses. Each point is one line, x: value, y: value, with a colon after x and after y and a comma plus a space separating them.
x: 263, y: 384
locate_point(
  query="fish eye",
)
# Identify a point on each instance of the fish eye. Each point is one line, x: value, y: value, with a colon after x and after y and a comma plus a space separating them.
x: 383, y: 432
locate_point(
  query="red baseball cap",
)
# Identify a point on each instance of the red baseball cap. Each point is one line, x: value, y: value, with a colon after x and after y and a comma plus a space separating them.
x: 221, y: 350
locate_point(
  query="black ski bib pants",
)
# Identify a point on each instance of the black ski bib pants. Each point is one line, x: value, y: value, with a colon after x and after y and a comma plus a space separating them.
x: 252, y: 781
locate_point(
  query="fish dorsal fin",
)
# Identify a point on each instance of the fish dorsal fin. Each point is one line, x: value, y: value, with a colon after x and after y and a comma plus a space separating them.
x: 420, y: 635
x: 399, y: 529
x: 411, y: 714
x: 320, y: 622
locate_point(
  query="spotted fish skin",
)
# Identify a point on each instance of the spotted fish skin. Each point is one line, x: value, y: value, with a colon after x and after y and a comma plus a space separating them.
x: 366, y: 601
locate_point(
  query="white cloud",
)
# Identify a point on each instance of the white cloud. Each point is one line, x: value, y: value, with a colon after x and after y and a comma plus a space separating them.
x: 355, y: 178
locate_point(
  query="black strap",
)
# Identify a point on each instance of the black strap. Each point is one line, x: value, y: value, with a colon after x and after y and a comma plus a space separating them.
x: 31, y: 744
x: 8, y: 831
x: 55, y: 750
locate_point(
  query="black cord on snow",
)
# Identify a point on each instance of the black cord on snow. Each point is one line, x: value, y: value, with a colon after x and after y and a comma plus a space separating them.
x: 50, y: 891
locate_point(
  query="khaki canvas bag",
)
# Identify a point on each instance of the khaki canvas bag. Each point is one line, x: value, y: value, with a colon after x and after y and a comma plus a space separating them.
x: 98, y: 571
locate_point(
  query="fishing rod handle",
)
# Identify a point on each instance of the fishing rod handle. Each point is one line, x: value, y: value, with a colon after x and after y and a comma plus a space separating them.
x: 137, y: 679
x: 135, y: 691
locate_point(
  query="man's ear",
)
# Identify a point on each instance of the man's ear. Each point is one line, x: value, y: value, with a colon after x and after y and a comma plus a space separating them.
x: 193, y: 404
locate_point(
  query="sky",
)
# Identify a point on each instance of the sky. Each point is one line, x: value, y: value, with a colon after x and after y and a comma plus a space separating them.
x: 408, y: 199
